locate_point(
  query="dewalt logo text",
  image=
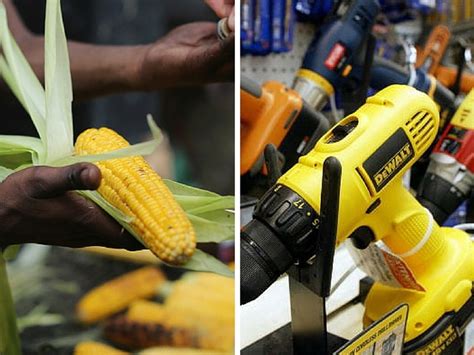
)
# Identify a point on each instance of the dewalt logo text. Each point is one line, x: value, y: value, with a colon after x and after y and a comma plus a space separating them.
x: 389, y: 159
x: 393, y: 165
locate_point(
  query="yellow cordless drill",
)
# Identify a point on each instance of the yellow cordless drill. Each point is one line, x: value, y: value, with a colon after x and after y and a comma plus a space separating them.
x: 375, y: 146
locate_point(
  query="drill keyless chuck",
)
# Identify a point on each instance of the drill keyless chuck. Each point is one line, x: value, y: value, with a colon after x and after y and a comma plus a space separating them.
x: 311, y: 93
x: 445, y: 186
x: 284, y: 231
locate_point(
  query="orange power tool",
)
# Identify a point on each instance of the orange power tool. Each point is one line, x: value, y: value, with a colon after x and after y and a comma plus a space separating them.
x: 274, y: 114
x: 429, y: 59
x: 430, y: 56
x: 447, y: 76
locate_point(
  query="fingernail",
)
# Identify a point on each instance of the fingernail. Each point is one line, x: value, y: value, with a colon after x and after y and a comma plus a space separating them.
x: 85, y: 176
x: 89, y: 178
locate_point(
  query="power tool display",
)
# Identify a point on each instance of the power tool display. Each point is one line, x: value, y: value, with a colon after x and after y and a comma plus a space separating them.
x: 449, y: 180
x: 330, y: 56
x: 275, y: 114
x: 375, y: 146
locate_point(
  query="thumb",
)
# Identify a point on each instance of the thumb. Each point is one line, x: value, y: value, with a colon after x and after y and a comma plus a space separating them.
x: 46, y: 182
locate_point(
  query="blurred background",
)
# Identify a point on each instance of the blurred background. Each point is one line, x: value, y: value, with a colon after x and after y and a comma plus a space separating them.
x: 199, y: 150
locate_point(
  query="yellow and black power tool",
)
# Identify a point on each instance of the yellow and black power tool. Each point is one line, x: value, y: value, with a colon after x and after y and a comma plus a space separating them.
x: 375, y: 146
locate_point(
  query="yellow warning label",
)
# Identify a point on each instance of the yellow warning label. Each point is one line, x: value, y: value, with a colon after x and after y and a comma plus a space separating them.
x: 383, y: 337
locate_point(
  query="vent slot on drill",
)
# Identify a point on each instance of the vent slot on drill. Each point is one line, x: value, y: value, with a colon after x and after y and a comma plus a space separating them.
x: 420, y: 129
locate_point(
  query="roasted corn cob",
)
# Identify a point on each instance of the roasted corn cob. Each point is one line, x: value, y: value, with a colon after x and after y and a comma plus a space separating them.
x: 93, y: 348
x: 141, y: 335
x: 132, y: 186
x: 205, y: 325
x: 115, y: 295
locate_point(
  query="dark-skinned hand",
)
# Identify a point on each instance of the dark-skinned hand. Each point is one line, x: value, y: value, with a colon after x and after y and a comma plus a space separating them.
x: 39, y: 205
x: 191, y: 55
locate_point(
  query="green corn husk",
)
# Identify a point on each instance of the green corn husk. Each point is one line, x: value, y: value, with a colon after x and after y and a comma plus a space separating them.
x: 50, y: 111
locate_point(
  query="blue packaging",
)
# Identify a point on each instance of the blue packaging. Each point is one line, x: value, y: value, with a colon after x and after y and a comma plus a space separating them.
x: 262, y: 28
x: 396, y: 10
x: 283, y: 23
x: 423, y: 6
x: 313, y: 10
x: 247, y: 9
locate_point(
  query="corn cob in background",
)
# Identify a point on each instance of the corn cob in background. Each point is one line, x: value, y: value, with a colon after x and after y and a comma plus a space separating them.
x: 134, y: 335
x: 132, y: 186
x: 181, y: 351
x: 115, y: 295
x: 93, y: 348
x: 198, y: 312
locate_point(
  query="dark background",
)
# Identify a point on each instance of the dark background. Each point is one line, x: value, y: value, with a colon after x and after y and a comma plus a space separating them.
x: 199, y: 120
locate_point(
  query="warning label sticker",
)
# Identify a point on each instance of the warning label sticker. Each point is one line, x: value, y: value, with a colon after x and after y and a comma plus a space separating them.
x: 384, y: 266
x: 384, y: 337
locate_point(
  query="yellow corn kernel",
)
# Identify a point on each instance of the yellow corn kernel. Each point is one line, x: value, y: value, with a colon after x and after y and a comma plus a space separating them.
x: 93, y: 348
x: 206, y: 289
x: 115, y: 295
x: 147, y: 312
x: 131, y: 185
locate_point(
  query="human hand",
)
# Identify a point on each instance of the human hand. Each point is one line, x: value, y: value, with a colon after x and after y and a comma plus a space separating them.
x: 39, y: 205
x: 224, y: 8
x: 188, y: 55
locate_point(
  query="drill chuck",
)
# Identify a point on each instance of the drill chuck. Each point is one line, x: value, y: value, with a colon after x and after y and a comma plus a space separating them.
x: 446, y: 185
x: 312, y: 93
x: 284, y: 231
x: 440, y: 197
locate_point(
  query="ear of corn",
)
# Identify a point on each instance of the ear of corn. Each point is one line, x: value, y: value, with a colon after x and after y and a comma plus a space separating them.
x: 93, y: 348
x: 115, y: 295
x: 132, y: 186
x: 141, y: 335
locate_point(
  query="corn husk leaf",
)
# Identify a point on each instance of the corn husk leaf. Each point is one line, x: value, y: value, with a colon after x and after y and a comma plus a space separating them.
x: 58, y: 85
x: 9, y: 338
x: 179, y: 189
x: 26, y: 85
x: 202, y: 261
x: 39, y: 316
x: 144, y: 148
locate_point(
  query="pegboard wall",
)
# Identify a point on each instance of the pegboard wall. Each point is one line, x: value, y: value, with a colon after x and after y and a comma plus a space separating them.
x: 283, y: 66
x: 279, y: 66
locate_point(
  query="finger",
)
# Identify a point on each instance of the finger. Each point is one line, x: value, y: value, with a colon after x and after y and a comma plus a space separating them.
x: 222, y: 8
x: 231, y: 21
x: 46, y: 182
x: 102, y: 229
x: 126, y: 241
